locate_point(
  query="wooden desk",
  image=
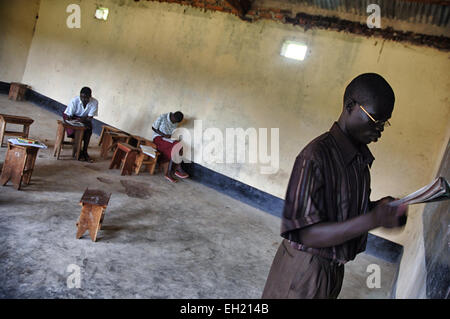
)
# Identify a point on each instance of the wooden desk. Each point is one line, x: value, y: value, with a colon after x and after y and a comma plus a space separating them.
x: 94, y: 203
x: 76, y: 144
x: 14, y: 119
x: 19, y: 165
x: 144, y: 159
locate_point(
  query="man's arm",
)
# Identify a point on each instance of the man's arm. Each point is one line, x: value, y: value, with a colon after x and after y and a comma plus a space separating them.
x: 160, y: 133
x: 327, y: 234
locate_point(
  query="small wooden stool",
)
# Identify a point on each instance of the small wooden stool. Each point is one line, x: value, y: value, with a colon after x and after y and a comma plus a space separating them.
x: 94, y: 203
x: 144, y: 159
x: 17, y: 91
x: 76, y: 143
x: 19, y: 165
x: 125, y: 156
x: 110, y: 140
x: 13, y: 119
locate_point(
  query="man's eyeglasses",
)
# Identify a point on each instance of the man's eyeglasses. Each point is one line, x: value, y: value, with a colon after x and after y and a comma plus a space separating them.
x: 377, y: 123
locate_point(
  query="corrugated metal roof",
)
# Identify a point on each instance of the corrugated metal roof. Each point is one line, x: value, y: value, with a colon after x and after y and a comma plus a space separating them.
x: 426, y: 12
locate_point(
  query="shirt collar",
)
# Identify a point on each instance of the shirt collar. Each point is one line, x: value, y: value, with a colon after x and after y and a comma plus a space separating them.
x: 168, y: 118
x: 348, y: 149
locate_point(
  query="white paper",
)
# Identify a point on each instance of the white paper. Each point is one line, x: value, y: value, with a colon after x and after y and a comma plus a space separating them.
x: 148, y: 150
x: 16, y: 142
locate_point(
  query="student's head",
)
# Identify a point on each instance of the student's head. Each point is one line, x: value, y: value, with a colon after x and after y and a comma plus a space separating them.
x: 85, y: 95
x: 368, y: 92
x: 176, y: 117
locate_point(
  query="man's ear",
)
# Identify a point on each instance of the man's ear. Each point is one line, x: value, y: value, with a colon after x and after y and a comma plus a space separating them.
x: 348, y: 105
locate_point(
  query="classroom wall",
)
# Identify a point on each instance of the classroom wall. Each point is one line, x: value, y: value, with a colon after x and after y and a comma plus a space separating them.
x: 17, y: 22
x: 150, y: 58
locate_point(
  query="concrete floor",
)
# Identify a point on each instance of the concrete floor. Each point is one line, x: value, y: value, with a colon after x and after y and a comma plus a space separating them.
x: 158, y: 240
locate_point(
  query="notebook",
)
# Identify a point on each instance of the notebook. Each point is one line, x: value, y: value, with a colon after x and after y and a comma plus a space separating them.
x: 148, y: 150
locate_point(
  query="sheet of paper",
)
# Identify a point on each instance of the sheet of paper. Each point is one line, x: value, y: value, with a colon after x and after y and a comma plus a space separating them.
x: 148, y: 150
x: 168, y: 140
x: 38, y: 144
x: 437, y: 190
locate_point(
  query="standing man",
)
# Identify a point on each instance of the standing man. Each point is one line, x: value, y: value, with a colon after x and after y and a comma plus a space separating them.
x: 82, y: 108
x: 163, y: 129
x: 327, y: 212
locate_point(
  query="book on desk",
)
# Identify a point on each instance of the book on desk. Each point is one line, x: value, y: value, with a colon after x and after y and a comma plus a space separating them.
x: 27, y: 142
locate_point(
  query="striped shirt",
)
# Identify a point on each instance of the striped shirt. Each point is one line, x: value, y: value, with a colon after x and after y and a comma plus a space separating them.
x: 330, y: 182
x: 164, y: 124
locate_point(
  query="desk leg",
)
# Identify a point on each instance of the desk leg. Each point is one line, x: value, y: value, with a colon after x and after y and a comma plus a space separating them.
x: 139, y: 160
x: 13, y: 167
x: 77, y: 146
x: 26, y: 130
x: 90, y: 218
x: 29, y: 165
x: 106, y: 143
x: 2, y: 132
x: 59, y: 140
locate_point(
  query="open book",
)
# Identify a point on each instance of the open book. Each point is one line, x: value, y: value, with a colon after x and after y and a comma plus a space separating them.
x: 26, y: 142
x: 169, y: 140
x: 435, y: 191
x: 148, y: 150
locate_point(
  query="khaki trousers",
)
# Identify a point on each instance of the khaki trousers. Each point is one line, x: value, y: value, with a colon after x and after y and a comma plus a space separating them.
x: 297, y: 274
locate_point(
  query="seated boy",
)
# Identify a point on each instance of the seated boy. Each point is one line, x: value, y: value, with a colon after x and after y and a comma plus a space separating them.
x: 82, y: 108
x: 163, y: 128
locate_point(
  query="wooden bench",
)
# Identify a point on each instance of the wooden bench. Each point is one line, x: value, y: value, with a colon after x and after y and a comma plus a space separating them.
x: 94, y: 203
x: 125, y: 157
x: 18, y: 165
x: 14, y: 119
x: 76, y: 142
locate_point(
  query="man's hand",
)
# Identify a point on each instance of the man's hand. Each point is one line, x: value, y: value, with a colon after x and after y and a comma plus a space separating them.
x: 390, y: 216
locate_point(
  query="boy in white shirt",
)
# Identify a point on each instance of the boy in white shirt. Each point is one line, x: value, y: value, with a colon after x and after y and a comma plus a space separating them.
x: 82, y: 108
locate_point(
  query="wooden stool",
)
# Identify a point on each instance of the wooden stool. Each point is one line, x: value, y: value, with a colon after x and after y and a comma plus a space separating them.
x: 144, y: 159
x: 94, y: 203
x: 110, y: 140
x: 17, y: 91
x: 125, y: 156
x: 76, y: 142
x: 13, y: 119
x: 19, y: 165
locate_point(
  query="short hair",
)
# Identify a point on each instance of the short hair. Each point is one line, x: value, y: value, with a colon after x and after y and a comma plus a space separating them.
x: 86, y: 91
x: 178, y: 116
x: 370, y: 88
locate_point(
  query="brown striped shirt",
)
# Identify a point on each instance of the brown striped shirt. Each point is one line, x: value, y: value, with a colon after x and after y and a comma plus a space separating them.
x: 330, y: 182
